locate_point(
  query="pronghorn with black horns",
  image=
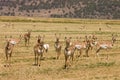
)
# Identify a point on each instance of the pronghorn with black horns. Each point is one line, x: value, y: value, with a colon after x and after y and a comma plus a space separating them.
x: 58, y: 45
x: 68, y: 51
x: 106, y: 45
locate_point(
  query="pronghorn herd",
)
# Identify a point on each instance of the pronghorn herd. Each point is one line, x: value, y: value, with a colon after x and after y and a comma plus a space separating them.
x: 69, y: 49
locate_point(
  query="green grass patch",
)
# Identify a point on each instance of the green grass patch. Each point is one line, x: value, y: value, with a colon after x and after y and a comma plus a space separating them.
x: 3, y: 74
x: 57, y: 20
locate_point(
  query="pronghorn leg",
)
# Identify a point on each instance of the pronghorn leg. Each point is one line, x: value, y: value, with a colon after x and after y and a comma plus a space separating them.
x: 58, y: 54
x: 39, y: 62
x: 65, y: 61
x: 107, y: 54
x: 6, y: 58
x: 25, y: 42
x: 80, y: 52
x: 35, y: 58
x: 9, y: 63
x: 97, y: 52
x: 28, y: 42
x: 87, y: 52
x: 72, y: 56
x: 10, y: 58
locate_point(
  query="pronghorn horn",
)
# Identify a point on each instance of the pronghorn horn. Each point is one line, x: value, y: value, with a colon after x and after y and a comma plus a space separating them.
x: 65, y: 37
x: 70, y: 37
x: 55, y: 35
x: 10, y: 36
x: 5, y: 36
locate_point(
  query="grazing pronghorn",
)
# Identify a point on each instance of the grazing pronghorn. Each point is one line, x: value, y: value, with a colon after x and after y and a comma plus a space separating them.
x: 27, y: 37
x: 105, y: 45
x: 57, y: 46
x: 68, y: 51
x: 9, y: 48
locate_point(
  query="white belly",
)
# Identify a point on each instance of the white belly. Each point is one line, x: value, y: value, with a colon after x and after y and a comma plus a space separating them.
x: 12, y: 42
x: 104, y: 46
x: 46, y: 46
x: 78, y: 46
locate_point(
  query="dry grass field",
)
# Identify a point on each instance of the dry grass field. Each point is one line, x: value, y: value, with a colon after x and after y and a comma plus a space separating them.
x: 83, y: 68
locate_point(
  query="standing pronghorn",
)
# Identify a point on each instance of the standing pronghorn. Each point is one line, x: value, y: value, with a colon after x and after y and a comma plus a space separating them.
x: 27, y: 37
x: 8, y: 51
x: 57, y: 46
x: 106, y: 45
x: 38, y: 52
x: 9, y: 48
x: 41, y: 40
x: 68, y: 51
x: 86, y: 44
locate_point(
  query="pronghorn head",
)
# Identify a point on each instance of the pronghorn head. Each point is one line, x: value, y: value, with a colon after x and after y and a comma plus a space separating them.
x: 41, y: 39
x: 57, y: 37
x: 113, y: 38
x: 68, y: 41
x: 29, y: 32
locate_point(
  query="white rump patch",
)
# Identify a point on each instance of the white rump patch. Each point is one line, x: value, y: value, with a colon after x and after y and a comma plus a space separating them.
x: 46, y: 46
x: 13, y: 42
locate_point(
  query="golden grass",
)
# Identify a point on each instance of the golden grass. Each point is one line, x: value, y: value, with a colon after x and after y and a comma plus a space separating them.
x: 82, y: 68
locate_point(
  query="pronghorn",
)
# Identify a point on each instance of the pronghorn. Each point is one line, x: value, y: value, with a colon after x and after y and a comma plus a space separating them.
x: 9, y: 47
x: 8, y: 51
x: 27, y: 37
x: 86, y: 44
x: 68, y: 51
x: 105, y: 45
x: 41, y: 41
x: 57, y: 46
x: 14, y: 41
x: 38, y: 52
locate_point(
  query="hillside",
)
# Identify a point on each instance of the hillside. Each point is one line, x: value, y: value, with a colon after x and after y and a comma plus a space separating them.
x: 100, y: 9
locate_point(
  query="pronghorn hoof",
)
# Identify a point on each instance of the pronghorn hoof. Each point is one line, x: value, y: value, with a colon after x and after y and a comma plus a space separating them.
x: 5, y: 65
x: 35, y: 64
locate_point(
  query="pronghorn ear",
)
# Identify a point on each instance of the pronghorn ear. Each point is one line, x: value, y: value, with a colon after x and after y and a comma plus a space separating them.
x: 70, y: 37
x: 80, y: 37
x: 55, y: 35
x: 20, y: 36
x: 77, y: 37
x: 5, y: 36
x: 65, y: 37
x: 10, y: 36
